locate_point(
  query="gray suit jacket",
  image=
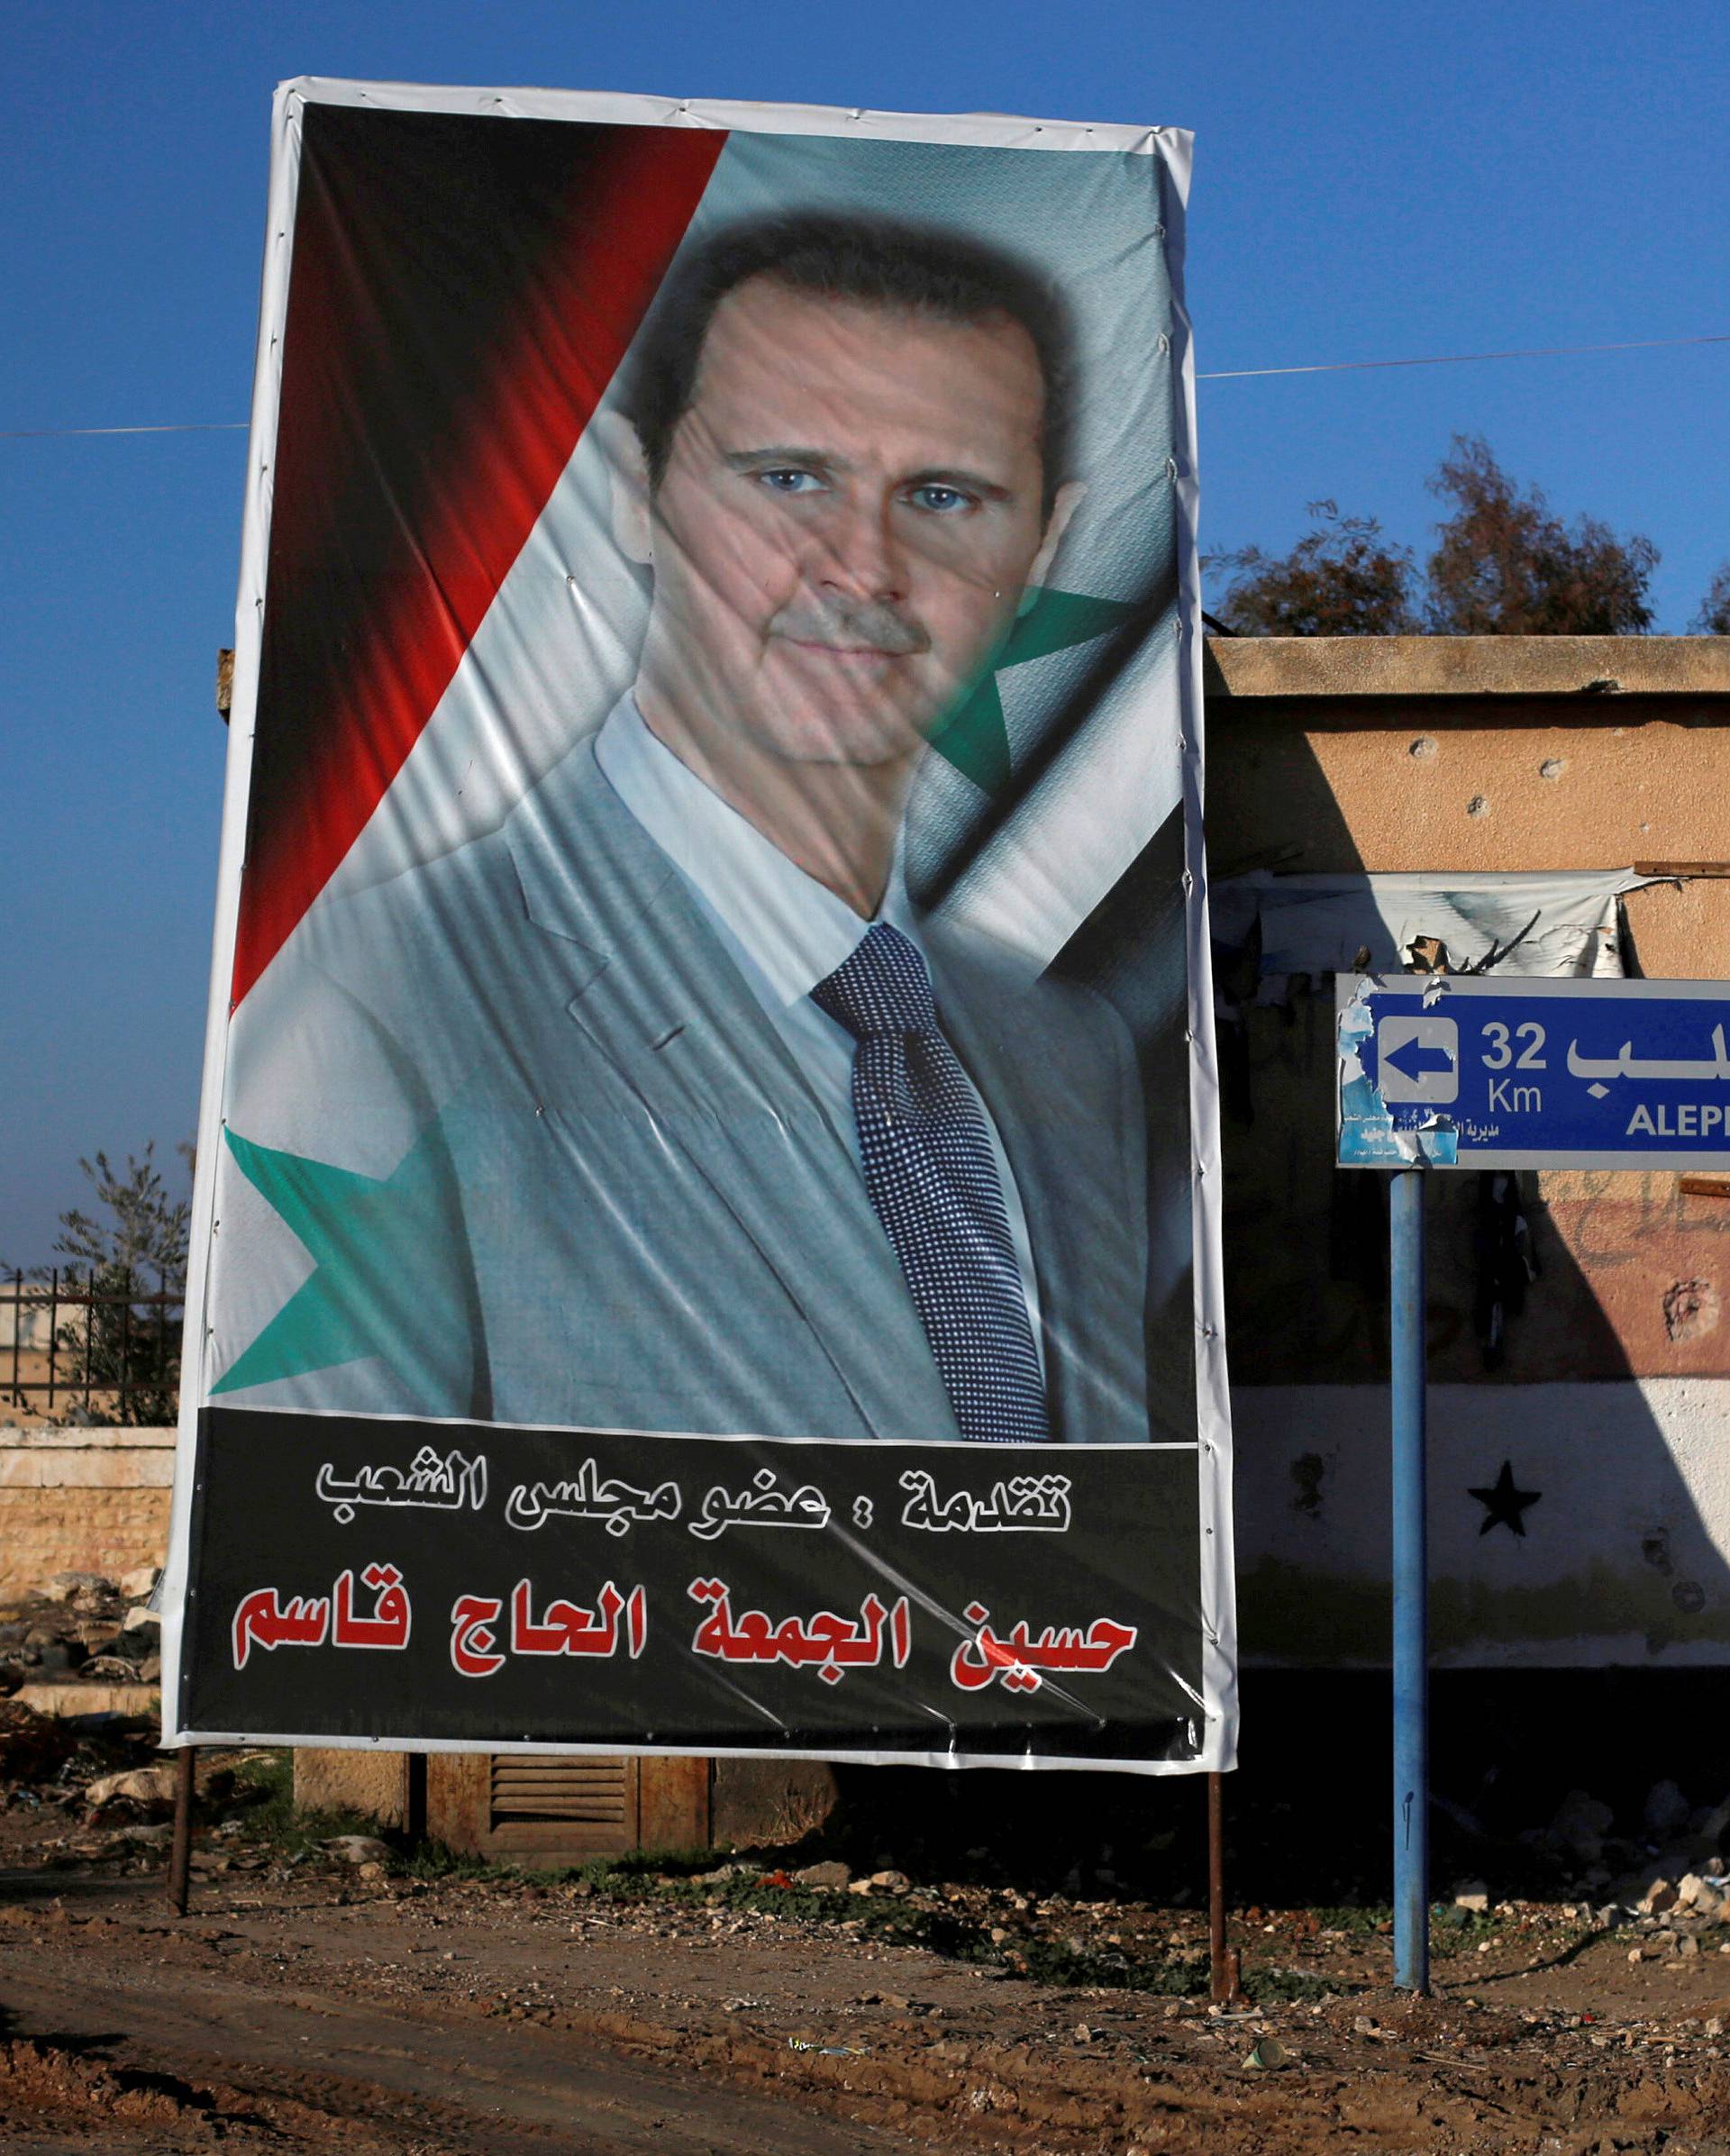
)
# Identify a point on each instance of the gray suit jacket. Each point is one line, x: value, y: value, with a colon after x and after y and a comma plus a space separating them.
x: 645, y: 1219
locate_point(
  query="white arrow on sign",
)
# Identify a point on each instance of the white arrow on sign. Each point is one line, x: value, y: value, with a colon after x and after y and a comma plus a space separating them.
x: 1418, y: 1059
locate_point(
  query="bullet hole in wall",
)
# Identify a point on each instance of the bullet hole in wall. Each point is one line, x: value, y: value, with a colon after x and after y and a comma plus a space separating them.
x: 1691, y: 1309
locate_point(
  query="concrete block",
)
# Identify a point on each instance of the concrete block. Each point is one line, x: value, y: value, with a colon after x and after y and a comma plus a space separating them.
x: 76, y: 1698
x: 771, y: 1800
x: 372, y: 1783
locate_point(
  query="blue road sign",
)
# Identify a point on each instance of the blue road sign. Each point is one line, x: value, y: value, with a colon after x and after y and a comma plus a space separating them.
x: 1468, y: 1072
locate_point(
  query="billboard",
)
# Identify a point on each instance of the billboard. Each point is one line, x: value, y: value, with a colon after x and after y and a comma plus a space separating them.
x: 708, y: 1188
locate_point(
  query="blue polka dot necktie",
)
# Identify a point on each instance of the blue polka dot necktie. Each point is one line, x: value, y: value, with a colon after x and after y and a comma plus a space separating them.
x: 932, y: 1182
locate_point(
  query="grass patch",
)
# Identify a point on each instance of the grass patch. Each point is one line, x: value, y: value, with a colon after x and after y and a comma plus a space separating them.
x: 1270, y: 1985
x: 889, y: 1921
x: 1356, y: 1922
x: 432, y: 1861
x: 1050, y: 1961
x: 264, y: 1786
x: 1456, y: 1931
x: 675, y: 1864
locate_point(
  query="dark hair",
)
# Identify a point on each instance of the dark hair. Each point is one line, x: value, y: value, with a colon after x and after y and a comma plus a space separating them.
x: 877, y: 261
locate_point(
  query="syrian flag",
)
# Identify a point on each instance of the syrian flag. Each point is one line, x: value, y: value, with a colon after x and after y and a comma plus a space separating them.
x: 461, y: 293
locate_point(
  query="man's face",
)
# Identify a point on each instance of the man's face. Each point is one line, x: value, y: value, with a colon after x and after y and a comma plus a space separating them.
x: 851, y: 510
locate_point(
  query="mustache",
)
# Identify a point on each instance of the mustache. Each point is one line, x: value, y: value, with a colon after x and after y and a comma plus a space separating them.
x: 872, y: 626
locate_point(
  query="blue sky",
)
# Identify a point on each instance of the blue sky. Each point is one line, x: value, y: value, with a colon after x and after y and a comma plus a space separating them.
x: 1372, y: 181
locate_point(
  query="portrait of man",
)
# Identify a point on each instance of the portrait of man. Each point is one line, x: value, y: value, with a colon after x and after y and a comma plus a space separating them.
x: 680, y: 1115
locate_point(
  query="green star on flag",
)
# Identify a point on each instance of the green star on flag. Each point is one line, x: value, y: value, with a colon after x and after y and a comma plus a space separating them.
x: 372, y: 1290
x: 974, y: 738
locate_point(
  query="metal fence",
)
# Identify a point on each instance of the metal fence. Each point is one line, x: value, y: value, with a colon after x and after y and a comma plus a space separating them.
x: 101, y: 1341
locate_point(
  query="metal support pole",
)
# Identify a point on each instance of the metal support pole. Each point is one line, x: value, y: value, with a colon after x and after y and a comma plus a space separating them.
x: 180, y: 1851
x: 54, y: 1332
x: 1411, y: 1586
x: 1224, y: 1968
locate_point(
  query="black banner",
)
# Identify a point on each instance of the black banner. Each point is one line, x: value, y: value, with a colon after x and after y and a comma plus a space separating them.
x: 424, y: 1583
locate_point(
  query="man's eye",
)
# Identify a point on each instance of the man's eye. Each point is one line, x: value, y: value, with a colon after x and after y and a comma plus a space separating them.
x: 941, y: 500
x: 790, y: 479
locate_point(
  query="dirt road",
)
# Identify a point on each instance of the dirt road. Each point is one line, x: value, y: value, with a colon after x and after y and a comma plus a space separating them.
x: 306, y: 2010
x: 290, y: 2030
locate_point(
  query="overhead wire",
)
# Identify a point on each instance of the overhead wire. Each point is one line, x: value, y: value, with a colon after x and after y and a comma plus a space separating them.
x: 1532, y: 351
x: 185, y: 426
x: 1227, y: 374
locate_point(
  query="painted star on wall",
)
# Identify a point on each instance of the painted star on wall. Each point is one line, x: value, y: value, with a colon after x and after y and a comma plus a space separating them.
x: 975, y: 738
x: 1506, y: 1506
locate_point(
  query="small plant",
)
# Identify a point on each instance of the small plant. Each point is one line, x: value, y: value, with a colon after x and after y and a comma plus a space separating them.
x: 264, y: 1785
x: 431, y: 1862
x: 1357, y: 1920
x: 125, y: 1354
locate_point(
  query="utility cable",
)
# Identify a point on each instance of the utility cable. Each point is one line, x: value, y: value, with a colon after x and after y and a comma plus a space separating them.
x: 190, y: 426
x: 1533, y: 351
x: 1230, y: 374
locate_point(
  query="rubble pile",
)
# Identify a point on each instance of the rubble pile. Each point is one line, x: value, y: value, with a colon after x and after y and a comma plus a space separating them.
x: 1671, y: 1840
x: 82, y: 1627
x: 1665, y: 1879
x: 1682, y: 1917
x: 62, y: 1775
x: 33, y: 1749
x: 79, y: 1661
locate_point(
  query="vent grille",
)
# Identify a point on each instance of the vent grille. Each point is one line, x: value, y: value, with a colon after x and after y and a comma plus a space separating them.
x: 540, y: 1788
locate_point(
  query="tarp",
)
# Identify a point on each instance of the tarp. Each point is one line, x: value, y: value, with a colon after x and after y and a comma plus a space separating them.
x: 1562, y: 923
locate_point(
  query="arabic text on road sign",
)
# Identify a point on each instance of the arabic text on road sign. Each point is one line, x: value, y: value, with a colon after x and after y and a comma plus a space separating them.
x: 1474, y: 1072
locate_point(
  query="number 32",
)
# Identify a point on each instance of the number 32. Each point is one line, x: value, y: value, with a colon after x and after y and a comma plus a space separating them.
x: 1499, y: 1053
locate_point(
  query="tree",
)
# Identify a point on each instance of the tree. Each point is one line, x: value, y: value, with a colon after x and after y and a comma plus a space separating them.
x: 1341, y: 580
x: 1714, y: 617
x: 1505, y: 565
x: 131, y: 1343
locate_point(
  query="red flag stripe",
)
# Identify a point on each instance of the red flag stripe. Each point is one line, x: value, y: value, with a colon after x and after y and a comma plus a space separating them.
x: 521, y: 438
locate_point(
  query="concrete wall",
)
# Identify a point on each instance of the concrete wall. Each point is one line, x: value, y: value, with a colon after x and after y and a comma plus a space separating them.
x: 1623, y: 1559
x: 1435, y: 754
x: 82, y: 1500
x: 30, y: 1324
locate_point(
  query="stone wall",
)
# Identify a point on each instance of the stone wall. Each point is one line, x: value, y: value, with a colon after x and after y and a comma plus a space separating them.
x: 82, y: 1501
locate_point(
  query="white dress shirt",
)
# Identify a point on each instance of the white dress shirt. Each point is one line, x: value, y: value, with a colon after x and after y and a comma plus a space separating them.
x: 784, y: 929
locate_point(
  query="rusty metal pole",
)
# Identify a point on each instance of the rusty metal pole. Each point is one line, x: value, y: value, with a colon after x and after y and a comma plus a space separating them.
x: 180, y: 1851
x: 1222, y: 1960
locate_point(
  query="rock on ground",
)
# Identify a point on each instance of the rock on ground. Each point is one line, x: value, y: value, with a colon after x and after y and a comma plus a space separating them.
x: 137, y: 1785
x: 358, y: 1849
